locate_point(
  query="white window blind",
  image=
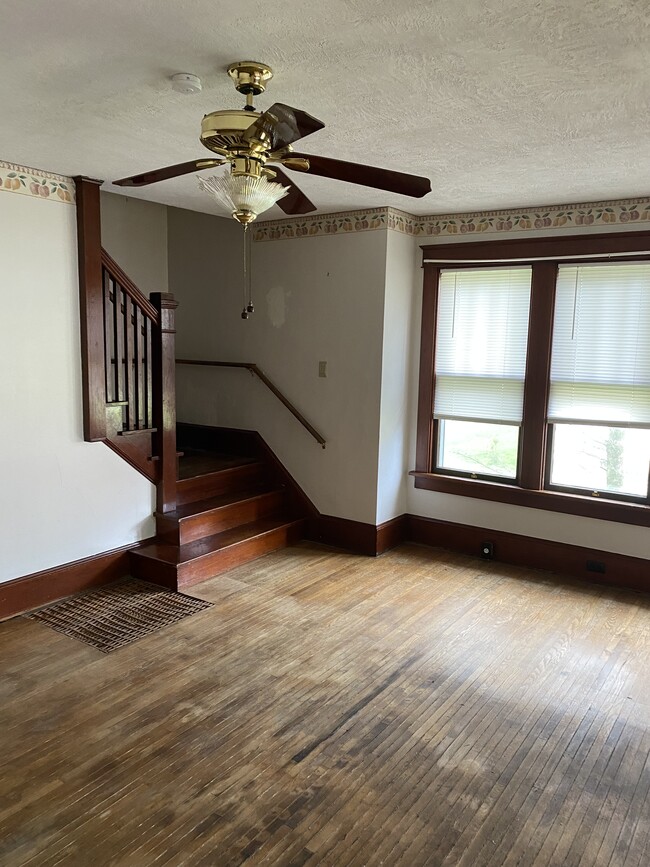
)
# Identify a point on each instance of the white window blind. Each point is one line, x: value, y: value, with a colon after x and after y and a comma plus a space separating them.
x: 481, y: 340
x: 600, y: 363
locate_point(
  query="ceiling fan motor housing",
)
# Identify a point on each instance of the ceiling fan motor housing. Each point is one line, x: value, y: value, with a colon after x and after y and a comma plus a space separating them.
x: 222, y: 131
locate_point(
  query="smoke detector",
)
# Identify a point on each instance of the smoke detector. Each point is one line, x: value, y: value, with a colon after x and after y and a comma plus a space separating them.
x: 185, y: 82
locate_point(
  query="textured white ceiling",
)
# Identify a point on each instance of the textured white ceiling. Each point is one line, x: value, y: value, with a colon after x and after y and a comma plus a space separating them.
x: 500, y: 102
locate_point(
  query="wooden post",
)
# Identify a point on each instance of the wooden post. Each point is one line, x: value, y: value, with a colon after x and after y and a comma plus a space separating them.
x: 538, y: 369
x: 425, y: 422
x: 91, y: 307
x: 164, y: 398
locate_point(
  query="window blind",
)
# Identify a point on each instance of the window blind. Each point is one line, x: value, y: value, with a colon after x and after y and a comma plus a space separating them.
x: 481, y: 340
x: 600, y: 362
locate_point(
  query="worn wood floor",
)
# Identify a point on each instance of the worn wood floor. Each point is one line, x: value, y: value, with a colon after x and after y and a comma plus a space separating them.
x: 421, y: 708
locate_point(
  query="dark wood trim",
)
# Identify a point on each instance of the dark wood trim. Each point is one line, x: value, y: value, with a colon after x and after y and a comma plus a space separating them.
x: 391, y: 533
x: 199, y: 436
x: 91, y: 308
x: 538, y: 367
x: 354, y: 536
x: 41, y: 588
x: 136, y: 456
x: 301, y: 503
x: 253, y: 368
x: 425, y: 422
x: 129, y: 286
x: 525, y: 249
x: 164, y: 399
x: 529, y: 489
x: 552, y: 501
x: 621, y: 569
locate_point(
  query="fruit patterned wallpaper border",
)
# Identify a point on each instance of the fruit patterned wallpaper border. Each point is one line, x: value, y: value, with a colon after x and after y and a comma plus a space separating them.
x: 26, y: 181
x: 632, y: 211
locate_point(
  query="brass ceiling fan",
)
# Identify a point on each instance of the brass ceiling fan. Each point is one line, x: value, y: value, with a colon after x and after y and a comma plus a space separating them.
x: 250, y: 140
x: 256, y: 144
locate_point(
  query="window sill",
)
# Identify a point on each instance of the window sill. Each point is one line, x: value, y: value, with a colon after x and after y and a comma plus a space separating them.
x: 552, y: 501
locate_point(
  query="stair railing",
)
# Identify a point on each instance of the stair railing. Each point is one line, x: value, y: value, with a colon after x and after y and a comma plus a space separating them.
x: 256, y: 371
x: 127, y: 348
x: 130, y: 320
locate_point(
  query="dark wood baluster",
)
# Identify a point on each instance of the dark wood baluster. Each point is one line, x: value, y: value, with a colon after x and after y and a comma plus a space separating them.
x: 129, y: 363
x: 115, y: 304
x: 138, y: 327
x: 148, y: 373
x: 119, y: 342
x: 109, y: 351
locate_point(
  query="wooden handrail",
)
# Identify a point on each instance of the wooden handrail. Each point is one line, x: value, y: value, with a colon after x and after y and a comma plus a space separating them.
x: 129, y: 286
x: 267, y: 382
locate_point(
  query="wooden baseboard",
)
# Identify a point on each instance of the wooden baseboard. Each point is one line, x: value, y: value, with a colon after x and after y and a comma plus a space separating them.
x: 621, y: 570
x: 356, y: 536
x: 391, y: 533
x: 41, y: 588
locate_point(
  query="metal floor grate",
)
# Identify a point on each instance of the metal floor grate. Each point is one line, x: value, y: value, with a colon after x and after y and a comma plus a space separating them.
x: 116, y: 615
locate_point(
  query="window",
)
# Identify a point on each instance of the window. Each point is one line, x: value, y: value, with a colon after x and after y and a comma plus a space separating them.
x: 599, y: 400
x: 481, y: 337
x: 535, y: 374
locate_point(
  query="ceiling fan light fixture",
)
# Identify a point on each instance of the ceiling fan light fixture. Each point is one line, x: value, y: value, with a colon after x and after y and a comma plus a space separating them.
x: 244, y: 196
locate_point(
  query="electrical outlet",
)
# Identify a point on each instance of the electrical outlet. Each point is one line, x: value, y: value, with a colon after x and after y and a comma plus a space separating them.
x: 487, y: 550
x: 322, y: 368
x: 596, y: 566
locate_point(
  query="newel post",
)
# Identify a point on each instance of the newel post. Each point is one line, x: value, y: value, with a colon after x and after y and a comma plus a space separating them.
x: 91, y: 308
x: 164, y: 398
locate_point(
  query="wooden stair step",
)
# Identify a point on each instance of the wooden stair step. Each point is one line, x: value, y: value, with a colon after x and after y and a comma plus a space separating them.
x: 205, y: 558
x: 200, y: 462
x: 221, y: 482
x: 202, y: 518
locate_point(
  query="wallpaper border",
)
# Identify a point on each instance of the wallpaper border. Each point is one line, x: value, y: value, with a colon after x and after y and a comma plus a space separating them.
x: 26, y: 181
x: 623, y: 211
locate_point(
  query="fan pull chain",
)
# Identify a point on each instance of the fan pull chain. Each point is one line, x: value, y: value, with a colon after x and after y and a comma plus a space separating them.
x: 247, y: 288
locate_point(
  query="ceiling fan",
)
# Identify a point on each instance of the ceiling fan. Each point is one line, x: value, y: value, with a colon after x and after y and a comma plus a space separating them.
x: 258, y: 145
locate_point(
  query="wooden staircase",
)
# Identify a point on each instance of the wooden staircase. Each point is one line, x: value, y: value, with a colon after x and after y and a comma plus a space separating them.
x: 228, y: 500
x: 234, y: 504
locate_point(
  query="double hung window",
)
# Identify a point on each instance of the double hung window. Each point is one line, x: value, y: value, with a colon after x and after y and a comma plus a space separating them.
x: 535, y: 374
x: 599, y: 399
x: 481, y: 340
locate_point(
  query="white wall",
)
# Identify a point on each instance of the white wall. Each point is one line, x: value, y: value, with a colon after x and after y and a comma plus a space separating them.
x: 134, y: 233
x: 401, y: 289
x: 354, y: 301
x: 62, y: 498
x: 573, y: 529
x: 317, y: 299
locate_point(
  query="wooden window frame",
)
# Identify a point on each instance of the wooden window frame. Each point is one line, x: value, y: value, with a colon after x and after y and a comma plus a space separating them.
x: 544, y: 255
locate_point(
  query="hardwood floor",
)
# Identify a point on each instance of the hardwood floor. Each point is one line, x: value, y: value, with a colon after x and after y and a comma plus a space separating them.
x: 420, y: 708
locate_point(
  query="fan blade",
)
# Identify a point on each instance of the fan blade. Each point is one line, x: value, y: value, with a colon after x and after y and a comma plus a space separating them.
x: 295, y: 201
x: 281, y: 125
x: 366, y: 176
x: 168, y: 172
